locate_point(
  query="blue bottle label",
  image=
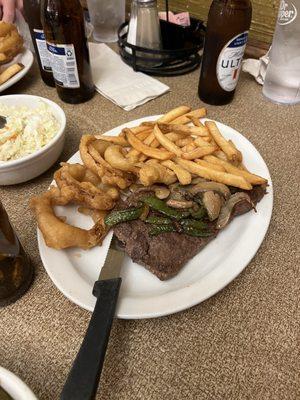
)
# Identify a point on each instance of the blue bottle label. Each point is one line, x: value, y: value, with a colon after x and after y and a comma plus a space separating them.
x: 42, y: 49
x: 64, y: 65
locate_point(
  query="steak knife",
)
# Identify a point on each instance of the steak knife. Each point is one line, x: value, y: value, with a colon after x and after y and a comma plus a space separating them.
x: 83, y: 379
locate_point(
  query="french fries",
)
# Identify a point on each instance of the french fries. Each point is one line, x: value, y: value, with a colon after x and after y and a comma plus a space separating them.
x: 184, y: 176
x: 10, y: 72
x: 251, y: 178
x: 179, y: 128
x: 207, y: 164
x: 119, y: 140
x: 174, y: 136
x: 202, y: 142
x: 184, y: 142
x: 213, y: 175
x: 221, y: 155
x: 173, y: 114
x: 199, y: 152
x: 186, y: 118
x: 189, y: 147
x: 165, y: 142
x: 143, y: 135
x: 147, y: 150
x: 228, y: 149
x: 138, y: 129
x: 184, y: 130
x: 239, y: 153
x: 149, y: 139
x: 196, y: 122
x: 175, y: 148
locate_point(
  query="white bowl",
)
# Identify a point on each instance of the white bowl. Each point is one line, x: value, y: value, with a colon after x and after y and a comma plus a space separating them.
x: 14, y: 386
x: 33, y: 165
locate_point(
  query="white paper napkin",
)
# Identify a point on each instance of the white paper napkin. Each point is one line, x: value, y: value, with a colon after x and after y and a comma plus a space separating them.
x: 118, y: 82
x: 257, y: 68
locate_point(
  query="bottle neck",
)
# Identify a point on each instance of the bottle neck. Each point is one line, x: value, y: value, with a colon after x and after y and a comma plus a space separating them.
x: 234, y: 3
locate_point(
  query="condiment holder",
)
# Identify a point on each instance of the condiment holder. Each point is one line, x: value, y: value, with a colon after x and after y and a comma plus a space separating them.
x: 180, y: 53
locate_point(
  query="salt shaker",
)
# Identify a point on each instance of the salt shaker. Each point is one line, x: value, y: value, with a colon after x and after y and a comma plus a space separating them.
x: 144, y: 28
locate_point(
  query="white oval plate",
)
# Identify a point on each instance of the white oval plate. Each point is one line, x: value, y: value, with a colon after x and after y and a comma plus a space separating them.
x: 142, y: 295
x: 14, y: 386
x: 25, y: 58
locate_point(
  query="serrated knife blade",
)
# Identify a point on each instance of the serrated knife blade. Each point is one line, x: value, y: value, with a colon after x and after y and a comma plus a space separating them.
x: 113, y: 262
x: 83, y: 379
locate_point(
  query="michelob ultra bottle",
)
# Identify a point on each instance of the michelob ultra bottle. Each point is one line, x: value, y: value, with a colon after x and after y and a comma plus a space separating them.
x: 225, y: 42
x: 63, y: 23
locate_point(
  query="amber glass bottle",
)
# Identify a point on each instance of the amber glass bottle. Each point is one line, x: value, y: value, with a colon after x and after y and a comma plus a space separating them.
x: 63, y: 24
x: 226, y: 37
x: 33, y: 17
x: 16, y: 271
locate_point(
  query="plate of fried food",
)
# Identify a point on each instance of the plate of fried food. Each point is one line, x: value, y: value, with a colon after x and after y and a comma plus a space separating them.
x: 15, y: 59
x: 189, y: 198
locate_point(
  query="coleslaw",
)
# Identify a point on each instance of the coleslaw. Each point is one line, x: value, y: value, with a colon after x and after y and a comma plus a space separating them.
x: 26, y: 131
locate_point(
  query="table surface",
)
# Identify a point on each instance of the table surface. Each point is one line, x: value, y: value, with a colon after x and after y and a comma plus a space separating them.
x: 243, y: 343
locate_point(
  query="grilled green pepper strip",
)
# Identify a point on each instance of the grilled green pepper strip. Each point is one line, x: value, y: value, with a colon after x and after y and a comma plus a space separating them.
x: 159, y: 229
x: 159, y: 205
x: 199, y: 214
x: 158, y: 220
x: 196, y: 232
x: 129, y: 214
x: 193, y: 224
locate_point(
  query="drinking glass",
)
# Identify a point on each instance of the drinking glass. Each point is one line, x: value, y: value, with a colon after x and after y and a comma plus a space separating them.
x: 282, y: 82
x: 106, y: 17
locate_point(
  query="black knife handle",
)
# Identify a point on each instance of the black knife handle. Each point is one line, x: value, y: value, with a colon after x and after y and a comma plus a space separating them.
x: 83, y: 379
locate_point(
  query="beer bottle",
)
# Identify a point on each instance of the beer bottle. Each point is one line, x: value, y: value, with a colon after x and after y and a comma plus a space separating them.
x: 16, y: 271
x: 33, y: 17
x: 64, y: 28
x: 225, y: 42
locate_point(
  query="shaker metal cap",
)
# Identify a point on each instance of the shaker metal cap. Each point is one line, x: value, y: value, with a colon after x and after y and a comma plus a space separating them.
x: 146, y: 1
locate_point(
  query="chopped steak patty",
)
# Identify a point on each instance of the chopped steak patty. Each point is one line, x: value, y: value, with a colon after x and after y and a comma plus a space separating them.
x: 164, y: 255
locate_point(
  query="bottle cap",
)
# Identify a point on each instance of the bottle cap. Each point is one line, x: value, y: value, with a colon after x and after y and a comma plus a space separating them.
x: 146, y: 1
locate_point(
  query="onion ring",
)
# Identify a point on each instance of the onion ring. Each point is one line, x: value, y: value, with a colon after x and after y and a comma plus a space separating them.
x: 60, y: 235
x: 94, y: 161
x: 72, y: 189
